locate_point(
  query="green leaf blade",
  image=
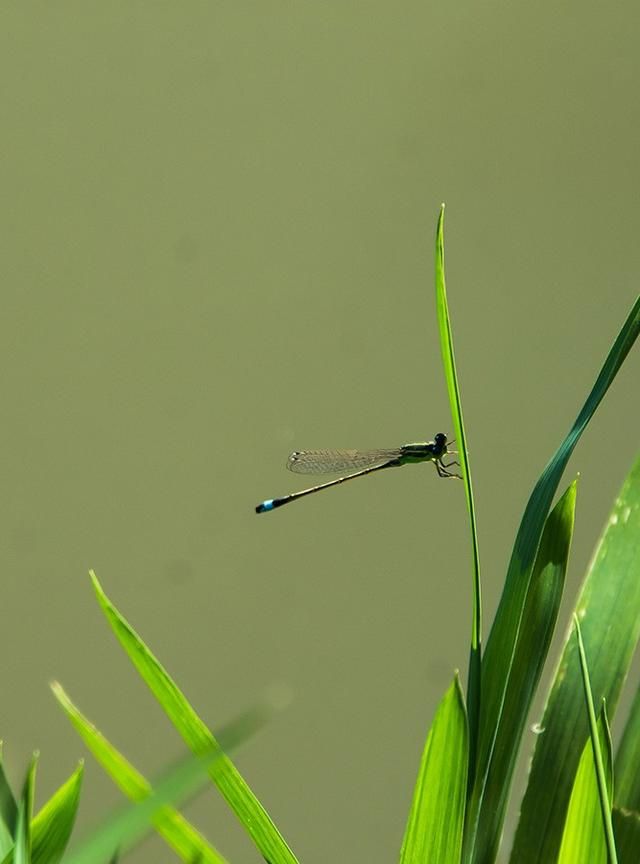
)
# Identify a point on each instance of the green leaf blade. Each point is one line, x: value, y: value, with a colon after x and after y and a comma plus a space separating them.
x: 52, y: 827
x: 488, y: 803
x: 627, y: 765
x: 474, y: 686
x: 122, y: 830
x: 504, y: 631
x: 609, y: 611
x: 8, y: 812
x: 198, y: 737
x: 626, y: 827
x: 497, y: 664
x: 601, y: 750
x: 22, y: 849
x: 435, y: 824
x: 584, y: 837
x: 183, y: 838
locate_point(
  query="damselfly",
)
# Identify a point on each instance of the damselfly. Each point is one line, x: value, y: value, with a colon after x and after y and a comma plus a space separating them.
x: 361, y: 462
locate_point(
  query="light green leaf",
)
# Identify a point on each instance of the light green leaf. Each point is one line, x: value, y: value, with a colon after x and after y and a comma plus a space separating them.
x: 609, y: 612
x: 199, y: 738
x: 451, y: 376
x: 434, y: 828
x: 186, y: 841
x: 120, y: 831
x: 52, y: 827
x: 602, y: 750
x: 627, y: 766
x: 488, y: 803
x: 583, y: 839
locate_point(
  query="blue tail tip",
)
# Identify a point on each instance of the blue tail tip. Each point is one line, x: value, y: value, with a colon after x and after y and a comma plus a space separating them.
x: 265, y: 506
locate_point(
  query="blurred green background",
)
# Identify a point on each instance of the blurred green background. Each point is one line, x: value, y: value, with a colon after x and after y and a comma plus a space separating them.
x: 217, y: 246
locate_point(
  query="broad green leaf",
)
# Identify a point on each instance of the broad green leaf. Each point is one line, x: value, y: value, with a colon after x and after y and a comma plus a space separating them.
x: 52, y: 827
x: 451, y: 376
x: 497, y: 663
x: 627, y: 766
x: 539, y: 618
x: 199, y: 738
x: 8, y: 812
x: 626, y: 828
x: 434, y: 828
x: 584, y: 839
x: 22, y: 849
x: 609, y: 611
x: 185, y: 840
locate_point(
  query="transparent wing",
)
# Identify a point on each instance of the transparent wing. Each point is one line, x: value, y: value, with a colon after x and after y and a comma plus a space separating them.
x: 335, y: 461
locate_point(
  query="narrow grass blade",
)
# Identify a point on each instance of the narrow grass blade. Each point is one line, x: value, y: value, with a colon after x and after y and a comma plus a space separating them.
x: 488, y: 804
x: 183, y: 838
x: 497, y: 664
x: 123, y: 829
x: 8, y: 812
x: 602, y: 750
x: 223, y: 772
x: 584, y: 838
x: 22, y: 849
x: 627, y: 766
x: 626, y: 828
x: 448, y: 360
x: 434, y: 829
x: 51, y: 829
x: 609, y: 612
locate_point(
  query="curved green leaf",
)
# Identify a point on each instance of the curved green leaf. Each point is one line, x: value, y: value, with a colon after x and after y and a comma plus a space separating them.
x: 497, y: 664
x: 122, y: 830
x: 474, y: 686
x: 609, y: 611
x: 223, y: 772
x: 534, y: 637
x: 184, y: 839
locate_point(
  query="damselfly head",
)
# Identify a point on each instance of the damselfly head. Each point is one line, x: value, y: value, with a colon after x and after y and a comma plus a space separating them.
x: 440, y: 442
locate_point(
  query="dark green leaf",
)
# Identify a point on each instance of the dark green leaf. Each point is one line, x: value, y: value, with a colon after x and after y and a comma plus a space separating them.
x: 8, y: 812
x: 626, y: 827
x: 627, y: 767
x: 488, y: 804
x: 609, y: 612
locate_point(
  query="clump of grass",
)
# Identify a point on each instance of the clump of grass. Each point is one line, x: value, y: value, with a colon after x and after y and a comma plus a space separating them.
x: 571, y: 811
x: 503, y: 679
